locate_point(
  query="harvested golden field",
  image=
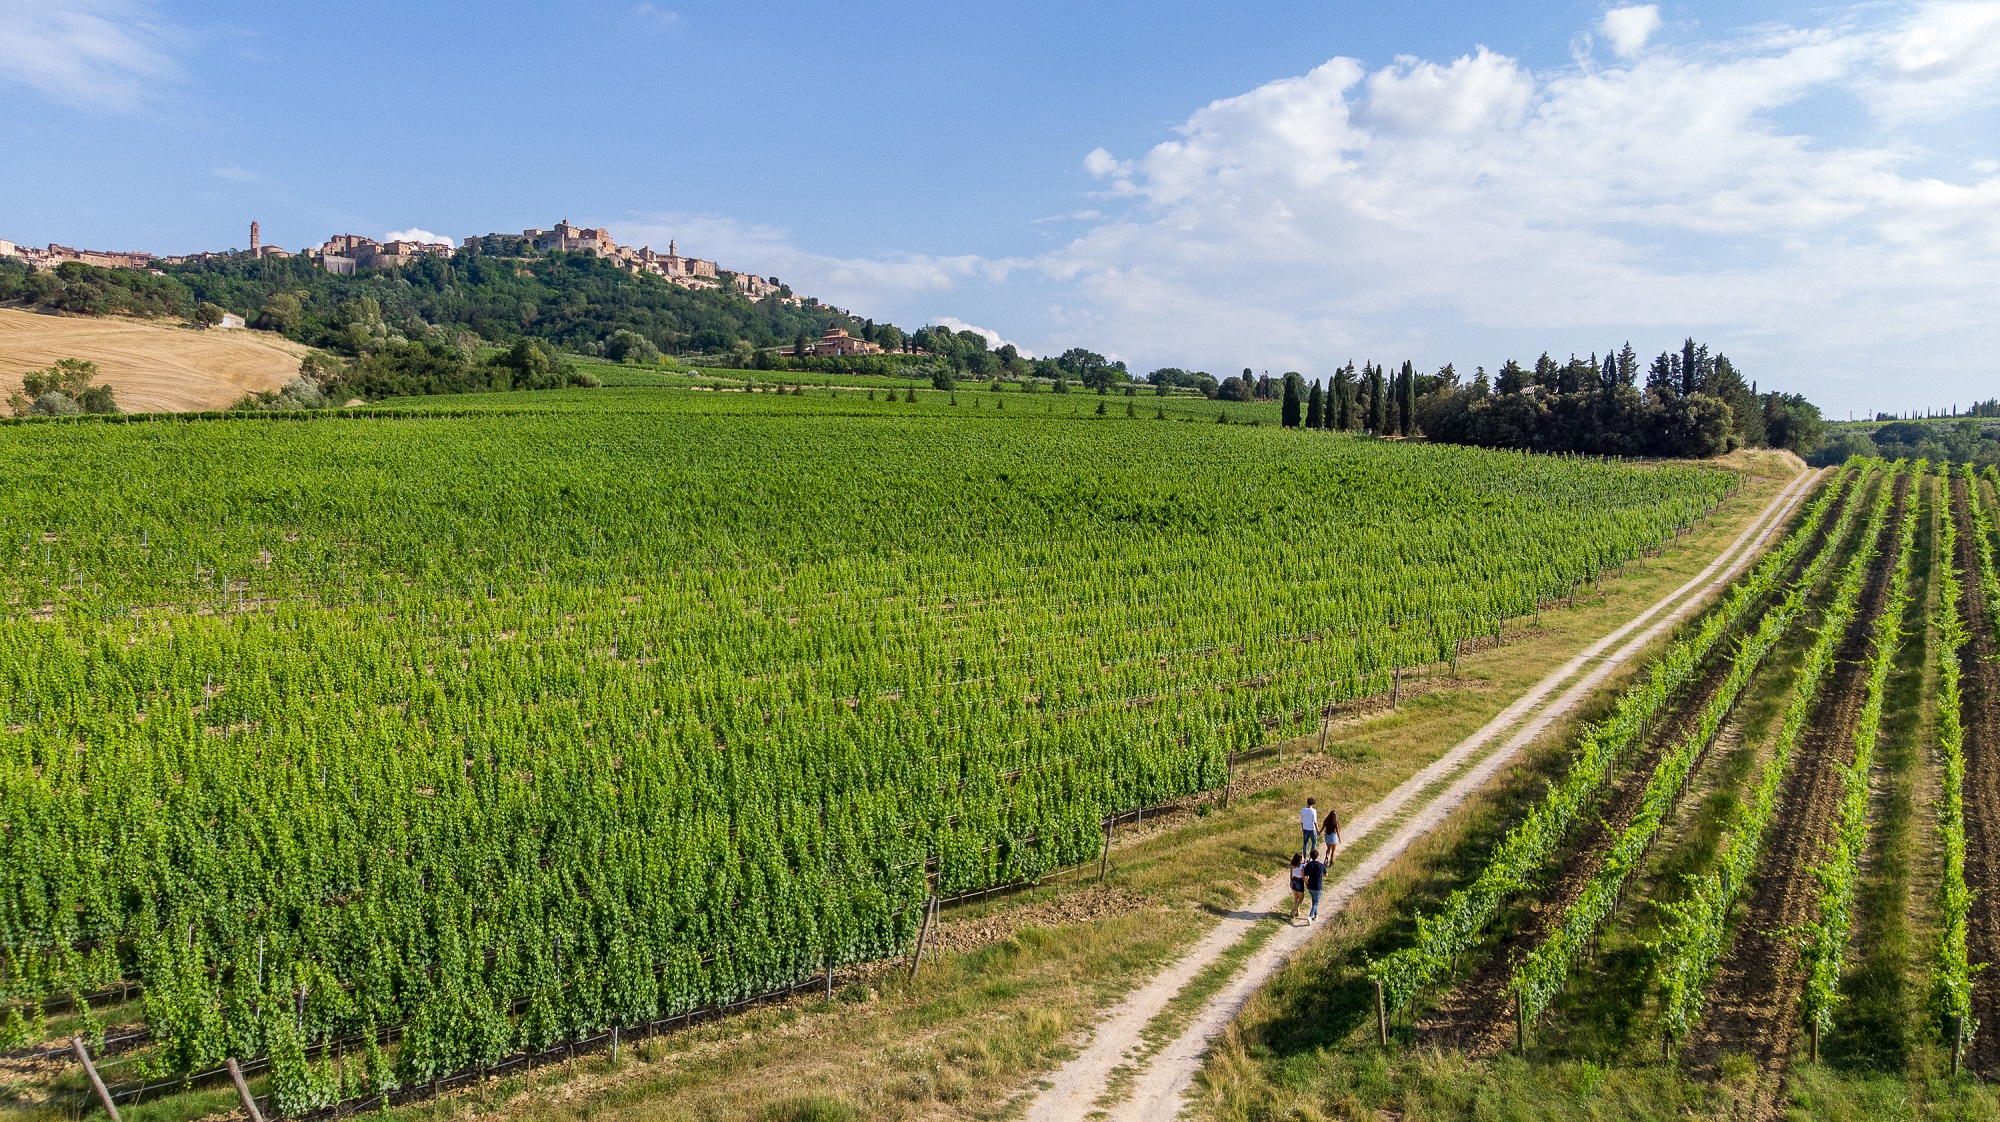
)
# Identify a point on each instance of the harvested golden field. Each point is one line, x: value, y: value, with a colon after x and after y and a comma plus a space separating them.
x: 153, y: 366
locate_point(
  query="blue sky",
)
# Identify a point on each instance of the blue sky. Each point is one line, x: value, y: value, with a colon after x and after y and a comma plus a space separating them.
x: 1815, y: 189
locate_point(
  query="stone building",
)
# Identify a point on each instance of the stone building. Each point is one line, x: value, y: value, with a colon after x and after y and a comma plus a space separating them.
x: 837, y: 341
x: 344, y: 254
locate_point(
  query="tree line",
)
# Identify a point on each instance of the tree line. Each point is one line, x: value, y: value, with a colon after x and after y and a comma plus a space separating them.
x: 1692, y: 402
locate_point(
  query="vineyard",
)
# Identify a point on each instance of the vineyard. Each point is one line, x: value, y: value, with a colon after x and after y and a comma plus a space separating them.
x: 374, y: 750
x: 1763, y: 880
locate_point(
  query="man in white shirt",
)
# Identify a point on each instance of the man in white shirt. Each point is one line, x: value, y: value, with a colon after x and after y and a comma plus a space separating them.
x: 1309, y: 824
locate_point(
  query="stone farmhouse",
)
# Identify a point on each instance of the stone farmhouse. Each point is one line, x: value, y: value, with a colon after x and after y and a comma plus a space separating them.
x: 837, y: 341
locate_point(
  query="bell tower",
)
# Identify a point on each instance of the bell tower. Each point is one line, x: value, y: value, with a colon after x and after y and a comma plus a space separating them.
x: 256, y: 247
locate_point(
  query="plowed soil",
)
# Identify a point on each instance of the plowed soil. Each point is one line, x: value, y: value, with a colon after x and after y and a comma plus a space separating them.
x: 150, y: 365
x: 1752, y: 1007
x: 1981, y: 713
x: 1476, y: 1017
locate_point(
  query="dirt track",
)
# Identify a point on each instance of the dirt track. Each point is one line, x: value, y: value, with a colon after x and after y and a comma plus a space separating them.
x: 150, y: 365
x: 1981, y: 692
x: 1752, y: 1008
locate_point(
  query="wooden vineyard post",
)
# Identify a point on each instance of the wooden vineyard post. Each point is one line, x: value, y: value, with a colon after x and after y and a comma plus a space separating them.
x: 1815, y: 1040
x: 1104, y: 859
x: 1229, y: 778
x: 1457, y: 648
x: 923, y: 933
x: 1381, y: 1015
x: 1396, y: 690
x: 1520, y: 1023
x: 96, y: 1080
x: 829, y: 974
x: 1957, y: 1043
x: 243, y: 1092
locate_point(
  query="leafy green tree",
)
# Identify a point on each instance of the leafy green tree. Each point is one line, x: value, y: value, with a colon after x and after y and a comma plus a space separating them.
x: 206, y: 314
x: 1315, y: 408
x: 1790, y: 421
x: 801, y: 345
x: 282, y: 312
x: 1512, y: 378
x: 630, y: 346
x: 1378, y: 402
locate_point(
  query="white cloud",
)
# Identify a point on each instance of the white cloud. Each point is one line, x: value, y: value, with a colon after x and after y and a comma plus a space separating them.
x: 235, y: 174
x: 658, y: 17
x: 1944, y: 56
x: 1629, y: 28
x: 416, y: 234
x: 104, y: 55
x: 1100, y: 163
x: 993, y: 340
x: 1428, y: 209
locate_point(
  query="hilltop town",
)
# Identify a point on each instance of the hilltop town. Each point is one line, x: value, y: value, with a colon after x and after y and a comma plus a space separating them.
x: 350, y: 254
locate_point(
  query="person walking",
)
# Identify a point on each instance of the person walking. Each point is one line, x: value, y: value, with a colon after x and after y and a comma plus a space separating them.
x: 1332, y: 836
x: 1298, y: 885
x: 1315, y: 875
x: 1309, y: 825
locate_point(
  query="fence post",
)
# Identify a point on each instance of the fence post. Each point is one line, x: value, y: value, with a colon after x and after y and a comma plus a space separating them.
x: 1815, y: 1040
x: 1229, y: 782
x: 614, y: 1045
x: 96, y: 1080
x: 1457, y: 648
x: 1381, y: 1015
x: 1396, y: 690
x: 1520, y: 1023
x: 923, y: 933
x: 1957, y: 1043
x: 243, y: 1092
x: 1104, y: 859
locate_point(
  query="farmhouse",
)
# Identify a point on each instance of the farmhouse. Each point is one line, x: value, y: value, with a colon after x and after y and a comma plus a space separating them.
x: 837, y: 341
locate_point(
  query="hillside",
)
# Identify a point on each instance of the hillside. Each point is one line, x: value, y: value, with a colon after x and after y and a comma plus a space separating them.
x: 152, y: 365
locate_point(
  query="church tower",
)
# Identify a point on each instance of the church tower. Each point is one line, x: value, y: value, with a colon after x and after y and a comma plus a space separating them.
x: 256, y: 247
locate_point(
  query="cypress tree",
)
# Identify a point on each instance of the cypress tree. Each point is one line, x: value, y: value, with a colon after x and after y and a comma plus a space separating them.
x: 1289, y: 417
x: 1315, y: 408
x: 1378, y: 402
x: 1409, y: 410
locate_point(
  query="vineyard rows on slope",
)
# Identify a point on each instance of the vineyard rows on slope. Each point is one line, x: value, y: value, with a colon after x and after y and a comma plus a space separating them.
x: 505, y: 731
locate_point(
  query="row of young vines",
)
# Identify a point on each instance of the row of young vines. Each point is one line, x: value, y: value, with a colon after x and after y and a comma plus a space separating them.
x: 1825, y: 942
x: 1444, y: 936
x: 1951, y: 968
x: 1545, y: 972
x: 1695, y: 935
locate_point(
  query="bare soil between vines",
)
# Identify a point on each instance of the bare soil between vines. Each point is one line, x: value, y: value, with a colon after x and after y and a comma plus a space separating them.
x: 1753, y: 1007
x: 1981, y: 695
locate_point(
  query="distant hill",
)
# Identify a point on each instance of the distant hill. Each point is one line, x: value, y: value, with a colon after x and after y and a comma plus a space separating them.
x: 150, y: 365
x: 576, y: 301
